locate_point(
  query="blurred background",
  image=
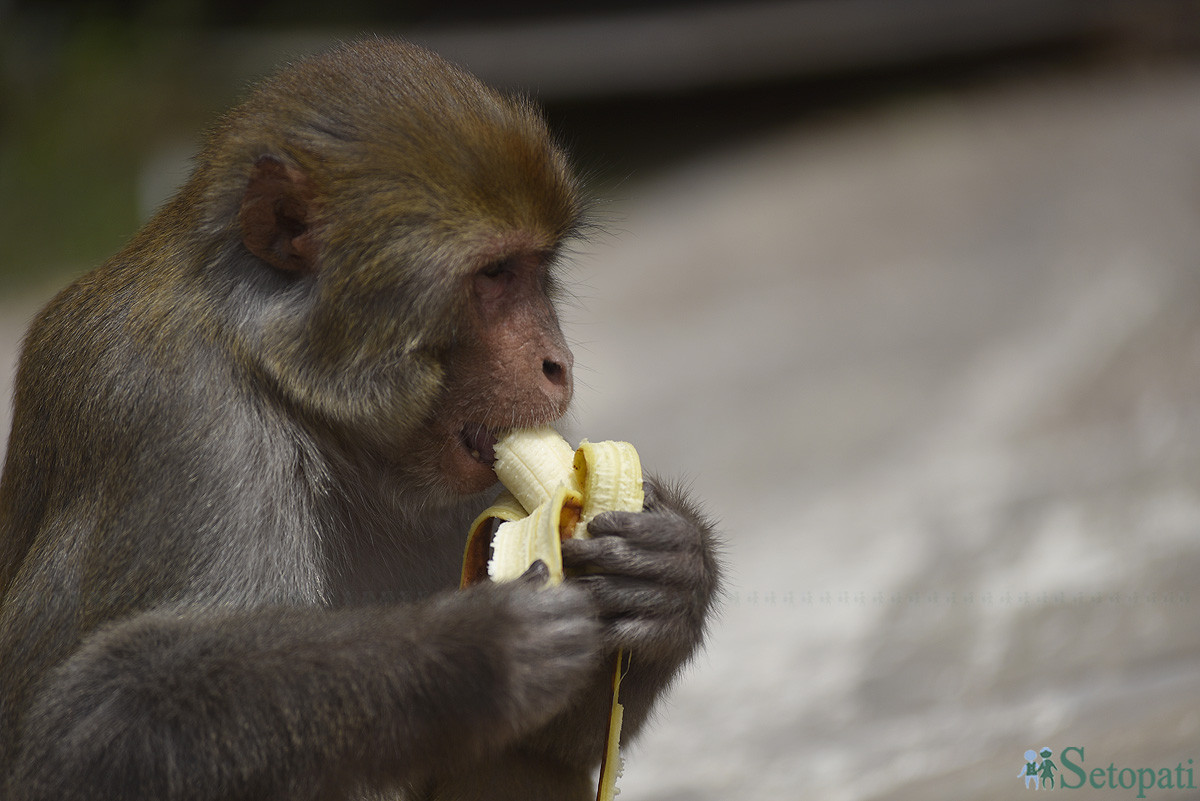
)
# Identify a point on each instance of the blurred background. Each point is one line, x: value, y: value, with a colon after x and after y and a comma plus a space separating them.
x: 908, y: 291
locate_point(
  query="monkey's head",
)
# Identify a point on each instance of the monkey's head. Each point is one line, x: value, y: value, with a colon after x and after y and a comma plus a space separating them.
x: 395, y: 224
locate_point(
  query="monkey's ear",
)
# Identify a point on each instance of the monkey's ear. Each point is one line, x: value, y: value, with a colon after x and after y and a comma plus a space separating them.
x: 276, y: 215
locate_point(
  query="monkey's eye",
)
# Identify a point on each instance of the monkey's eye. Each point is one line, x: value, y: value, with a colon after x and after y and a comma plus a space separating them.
x: 497, y: 269
x: 494, y: 280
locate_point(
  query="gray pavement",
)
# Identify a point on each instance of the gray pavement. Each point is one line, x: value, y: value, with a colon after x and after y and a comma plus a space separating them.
x: 935, y: 365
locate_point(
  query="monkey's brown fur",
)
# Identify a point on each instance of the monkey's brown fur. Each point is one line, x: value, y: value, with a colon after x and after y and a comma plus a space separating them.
x: 239, y: 473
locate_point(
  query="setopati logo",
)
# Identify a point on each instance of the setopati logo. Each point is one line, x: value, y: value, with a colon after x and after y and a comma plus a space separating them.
x: 1041, y: 772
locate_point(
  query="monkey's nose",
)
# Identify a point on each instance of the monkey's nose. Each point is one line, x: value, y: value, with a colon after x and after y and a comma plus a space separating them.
x: 556, y: 367
x: 556, y: 373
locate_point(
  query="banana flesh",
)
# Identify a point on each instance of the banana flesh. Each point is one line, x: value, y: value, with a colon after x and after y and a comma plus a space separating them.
x: 475, y: 560
x: 532, y: 462
x: 609, y: 475
x: 521, y: 542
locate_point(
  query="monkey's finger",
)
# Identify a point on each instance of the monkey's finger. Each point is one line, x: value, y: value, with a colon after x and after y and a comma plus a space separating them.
x: 618, y: 557
x: 537, y: 574
x: 654, y: 531
x: 601, y: 555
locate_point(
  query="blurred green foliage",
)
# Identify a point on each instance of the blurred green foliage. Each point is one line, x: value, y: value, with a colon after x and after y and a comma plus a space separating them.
x: 80, y: 109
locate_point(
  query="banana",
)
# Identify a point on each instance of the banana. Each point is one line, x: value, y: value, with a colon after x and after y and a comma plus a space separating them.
x: 609, y: 475
x: 552, y: 493
x: 532, y: 462
x: 520, y: 543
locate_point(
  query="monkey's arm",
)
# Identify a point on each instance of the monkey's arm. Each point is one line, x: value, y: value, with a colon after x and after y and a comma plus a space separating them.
x: 293, y: 702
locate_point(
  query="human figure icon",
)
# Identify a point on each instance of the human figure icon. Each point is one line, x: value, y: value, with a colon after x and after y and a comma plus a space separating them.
x: 1030, y: 771
x: 1047, y: 769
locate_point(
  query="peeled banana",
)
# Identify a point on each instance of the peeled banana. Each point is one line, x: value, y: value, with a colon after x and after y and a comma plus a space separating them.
x: 519, y: 543
x: 551, y: 493
x: 534, y: 464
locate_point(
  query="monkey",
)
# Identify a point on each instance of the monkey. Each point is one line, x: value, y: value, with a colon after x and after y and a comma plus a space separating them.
x: 245, y: 451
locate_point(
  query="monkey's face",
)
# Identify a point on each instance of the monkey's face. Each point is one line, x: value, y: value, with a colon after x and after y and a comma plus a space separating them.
x: 511, y: 367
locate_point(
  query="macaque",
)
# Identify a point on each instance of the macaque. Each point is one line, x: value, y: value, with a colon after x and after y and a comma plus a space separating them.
x: 245, y: 452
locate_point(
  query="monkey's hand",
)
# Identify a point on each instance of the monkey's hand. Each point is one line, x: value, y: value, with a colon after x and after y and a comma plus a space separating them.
x: 545, y: 641
x: 653, y: 576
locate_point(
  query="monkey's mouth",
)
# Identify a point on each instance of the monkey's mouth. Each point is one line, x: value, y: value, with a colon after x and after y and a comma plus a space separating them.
x: 480, y: 442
